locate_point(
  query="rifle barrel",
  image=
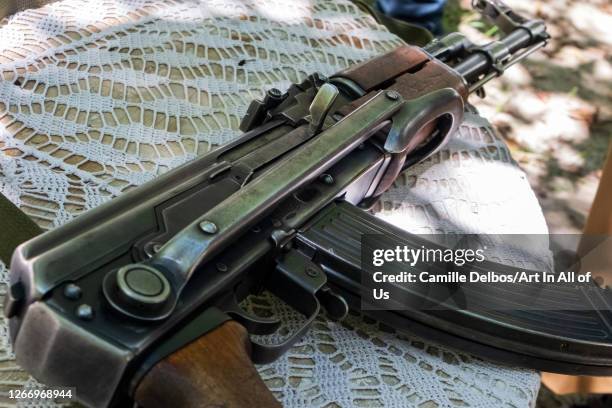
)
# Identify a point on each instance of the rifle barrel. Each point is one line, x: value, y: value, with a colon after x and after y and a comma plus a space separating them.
x: 518, y: 43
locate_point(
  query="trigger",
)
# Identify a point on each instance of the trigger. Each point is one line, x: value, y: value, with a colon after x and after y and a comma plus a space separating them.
x: 254, y: 324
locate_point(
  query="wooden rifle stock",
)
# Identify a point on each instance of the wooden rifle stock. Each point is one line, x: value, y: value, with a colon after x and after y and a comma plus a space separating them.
x: 213, y: 371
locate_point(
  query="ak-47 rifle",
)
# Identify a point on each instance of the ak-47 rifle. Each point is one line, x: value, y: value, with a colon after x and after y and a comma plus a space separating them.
x: 138, y: 300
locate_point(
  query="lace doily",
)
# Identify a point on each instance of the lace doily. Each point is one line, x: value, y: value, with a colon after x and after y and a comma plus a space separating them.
x: 97, y: 97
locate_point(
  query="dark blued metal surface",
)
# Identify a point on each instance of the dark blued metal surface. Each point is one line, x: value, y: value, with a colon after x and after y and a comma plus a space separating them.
x: 195, y: 245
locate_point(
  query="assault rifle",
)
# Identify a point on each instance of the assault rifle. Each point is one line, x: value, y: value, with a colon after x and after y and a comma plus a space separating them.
x: 139, y: 299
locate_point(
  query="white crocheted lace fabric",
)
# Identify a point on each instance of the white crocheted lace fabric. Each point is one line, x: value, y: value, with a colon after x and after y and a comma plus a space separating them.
x: 97, y: 97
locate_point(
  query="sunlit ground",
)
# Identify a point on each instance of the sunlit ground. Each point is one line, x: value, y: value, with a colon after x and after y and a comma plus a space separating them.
x: 554, y: 110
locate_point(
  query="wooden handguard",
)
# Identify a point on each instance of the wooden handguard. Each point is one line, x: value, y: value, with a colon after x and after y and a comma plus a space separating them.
x: 408, y: 70
x: 412, y: 73
x: 213, y: 371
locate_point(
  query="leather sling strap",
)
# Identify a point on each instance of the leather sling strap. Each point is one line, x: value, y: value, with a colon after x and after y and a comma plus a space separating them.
x: 410, y: 33
x: 10, y: 7
x: 15, y: 227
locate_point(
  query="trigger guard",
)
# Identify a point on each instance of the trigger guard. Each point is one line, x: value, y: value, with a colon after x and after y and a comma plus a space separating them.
x: 296, y: 282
